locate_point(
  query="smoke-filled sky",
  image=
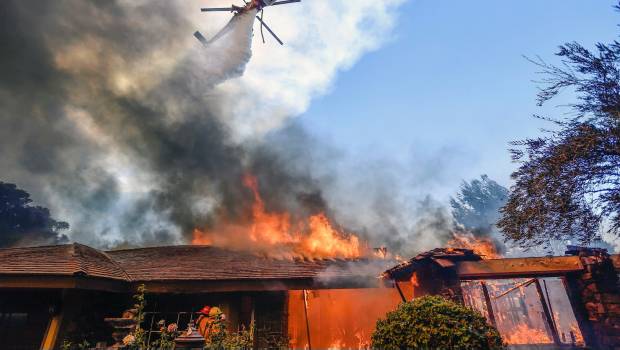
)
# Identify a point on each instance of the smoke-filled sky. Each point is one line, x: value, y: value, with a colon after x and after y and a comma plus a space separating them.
x: 113, y: 117
x: 116, y: 118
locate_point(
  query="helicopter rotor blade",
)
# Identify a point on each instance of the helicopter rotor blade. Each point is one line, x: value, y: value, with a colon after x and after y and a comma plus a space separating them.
x: 262, y: 34
x: 284, y: 2
x: 269, y: 30
x: 217, y: 9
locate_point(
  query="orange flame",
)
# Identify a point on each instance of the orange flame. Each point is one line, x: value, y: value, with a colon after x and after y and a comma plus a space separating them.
x: 274, y: 233
x: 271, y: 228
x: 337, y: 318
x: 414, y: 283
x: 523, y: 334
x: 576, y: 335
x: 481, y: 246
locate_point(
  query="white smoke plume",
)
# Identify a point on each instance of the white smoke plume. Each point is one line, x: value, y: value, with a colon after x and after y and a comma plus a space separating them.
x: 362, y: 272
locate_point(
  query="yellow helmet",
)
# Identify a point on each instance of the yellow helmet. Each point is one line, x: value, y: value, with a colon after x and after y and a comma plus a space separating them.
x: 215, y: 311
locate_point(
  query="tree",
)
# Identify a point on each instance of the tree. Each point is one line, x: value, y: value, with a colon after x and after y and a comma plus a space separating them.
x: 476, y: 209
x: 22, y: 223
x: 567, y: 185
x: 432, y: 322
x: 477, y: 205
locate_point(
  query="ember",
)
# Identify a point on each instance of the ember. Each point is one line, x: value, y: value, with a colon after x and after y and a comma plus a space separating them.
x: 277, y: 235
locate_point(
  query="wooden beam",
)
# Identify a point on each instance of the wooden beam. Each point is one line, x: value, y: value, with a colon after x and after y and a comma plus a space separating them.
x: 192, y: 286
x: 518, y: 267
x: 305, y: 295
x: 62, y: 282
x: 37, y: 282
x: 487, y: 301
x: 547, y: 313
x: 402, y: 296
x: 51, y: 333
x: 178, y: 286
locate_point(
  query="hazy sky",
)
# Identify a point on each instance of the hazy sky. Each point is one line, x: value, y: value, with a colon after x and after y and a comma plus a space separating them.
x: 452, y: 87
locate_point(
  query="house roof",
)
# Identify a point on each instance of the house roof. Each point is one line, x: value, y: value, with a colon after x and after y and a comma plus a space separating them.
x: 177, y: 263
x: 61, y: 260
x: 211, y: 263
x: 442, y: 257
x: 468, y: 265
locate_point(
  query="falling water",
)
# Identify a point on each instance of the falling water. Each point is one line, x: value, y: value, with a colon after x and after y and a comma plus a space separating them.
x: 226, y: 55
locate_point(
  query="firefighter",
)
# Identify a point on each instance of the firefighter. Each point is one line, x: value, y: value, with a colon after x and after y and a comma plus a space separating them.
x: 208, y: 322
x: 202, y: 322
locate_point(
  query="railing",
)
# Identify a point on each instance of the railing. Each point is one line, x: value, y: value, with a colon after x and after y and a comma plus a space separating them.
x: 268, y: 335
x: 151, y: 323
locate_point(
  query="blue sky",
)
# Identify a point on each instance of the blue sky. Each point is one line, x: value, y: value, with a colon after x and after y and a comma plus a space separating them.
x: 451, y: 87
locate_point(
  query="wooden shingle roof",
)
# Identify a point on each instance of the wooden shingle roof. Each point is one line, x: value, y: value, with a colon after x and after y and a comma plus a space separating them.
x: 162, y: 266
x: 443, y: 257
x: 211, y: 263
x: 61, y: 260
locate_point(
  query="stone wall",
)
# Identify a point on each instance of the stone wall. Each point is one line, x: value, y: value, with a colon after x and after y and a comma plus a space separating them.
x: 599, y: 294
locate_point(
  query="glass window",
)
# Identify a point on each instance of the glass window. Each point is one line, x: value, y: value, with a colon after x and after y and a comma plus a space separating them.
x: 517, y: 309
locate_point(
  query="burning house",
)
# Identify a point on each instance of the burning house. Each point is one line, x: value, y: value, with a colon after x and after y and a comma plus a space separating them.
x: 53, y: 293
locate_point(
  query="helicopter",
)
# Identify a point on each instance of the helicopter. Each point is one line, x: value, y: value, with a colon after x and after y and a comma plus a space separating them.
x: 258, y: 5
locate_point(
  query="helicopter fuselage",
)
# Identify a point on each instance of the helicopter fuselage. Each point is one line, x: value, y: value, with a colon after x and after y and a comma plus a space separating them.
x: 255, y: 4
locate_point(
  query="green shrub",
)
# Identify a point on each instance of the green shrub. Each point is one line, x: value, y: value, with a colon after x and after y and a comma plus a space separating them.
x: 432, y: 322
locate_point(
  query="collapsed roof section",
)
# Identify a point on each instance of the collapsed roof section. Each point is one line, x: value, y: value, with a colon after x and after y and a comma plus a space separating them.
x: 439, y: 257
x: 466, y: 265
